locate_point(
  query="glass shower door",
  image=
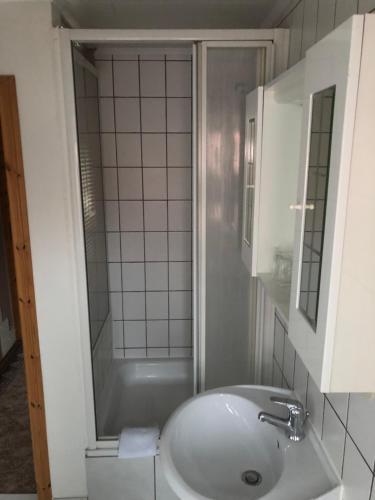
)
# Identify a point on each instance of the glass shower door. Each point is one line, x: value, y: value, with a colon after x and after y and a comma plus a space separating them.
x: 229, y: 70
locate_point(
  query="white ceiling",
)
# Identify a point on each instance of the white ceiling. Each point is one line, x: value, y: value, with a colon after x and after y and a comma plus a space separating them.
x: 173, y: 13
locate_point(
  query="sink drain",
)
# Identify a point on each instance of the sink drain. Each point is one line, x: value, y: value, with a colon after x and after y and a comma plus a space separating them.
x: 251, y: 477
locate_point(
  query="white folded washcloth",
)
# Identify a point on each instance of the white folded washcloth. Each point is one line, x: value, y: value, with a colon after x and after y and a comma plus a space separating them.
x: 138, y: 442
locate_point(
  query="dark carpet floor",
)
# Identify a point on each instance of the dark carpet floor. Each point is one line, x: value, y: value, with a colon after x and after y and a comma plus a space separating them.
x: 16, y: 461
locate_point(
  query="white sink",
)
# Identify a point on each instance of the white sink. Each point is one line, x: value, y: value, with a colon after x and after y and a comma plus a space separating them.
x: 213, y: 446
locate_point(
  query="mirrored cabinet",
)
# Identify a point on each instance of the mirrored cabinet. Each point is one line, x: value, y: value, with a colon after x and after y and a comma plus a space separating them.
x: 332, y: 303
x: 313, y: 199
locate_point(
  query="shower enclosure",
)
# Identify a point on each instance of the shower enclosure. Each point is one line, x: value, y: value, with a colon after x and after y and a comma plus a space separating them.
x: 157, y: 163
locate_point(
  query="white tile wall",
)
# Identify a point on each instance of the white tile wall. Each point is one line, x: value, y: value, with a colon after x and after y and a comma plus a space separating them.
x: 344, y: 422
x: 145, y: 121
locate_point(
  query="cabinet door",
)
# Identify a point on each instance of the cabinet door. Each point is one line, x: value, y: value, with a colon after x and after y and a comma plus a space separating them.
x: 331, y: 85
x: 251, y: 181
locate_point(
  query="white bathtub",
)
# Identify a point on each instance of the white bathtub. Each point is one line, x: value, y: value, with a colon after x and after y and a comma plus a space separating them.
x: 144, y: 393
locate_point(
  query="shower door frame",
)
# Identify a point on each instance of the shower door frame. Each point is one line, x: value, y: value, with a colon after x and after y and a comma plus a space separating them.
x: 265, y: 72
x: 275, y: 42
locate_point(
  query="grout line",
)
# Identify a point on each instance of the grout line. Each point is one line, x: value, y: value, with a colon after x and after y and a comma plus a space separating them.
x: 289, y: 13
x: 324, y: 411
x: 118, y: 204
x: 345, y: 438
x: 335, y: 15
x: 143, y: 205
x: 167, y: 187
x: 302, y: 30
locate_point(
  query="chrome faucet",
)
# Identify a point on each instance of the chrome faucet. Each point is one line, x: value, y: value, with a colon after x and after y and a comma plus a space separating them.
x: 293, y: 425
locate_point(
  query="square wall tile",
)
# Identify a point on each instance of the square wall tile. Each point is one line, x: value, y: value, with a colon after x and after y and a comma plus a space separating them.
x: 179, y: 215
x: 152, y: 78
x: 108, y: 148
x: 106, y: 113
x: 180, y: 332
x: 135, y: 333
x: 115, y: 299
x: 156, y: 246
x: 289, y: 362
x: 179, y: 150
x: 277, y: 376
x: 132, y: 247
x: 113, y: 247
x: 134, y: 305
x: 133, y: 276
x: 181, y: 352
x: 178, y: 115
x: 135, y: 353
x: 105, y: 80
x: 127, y: 114
x: 180, y: 305
x: 345, y: 9
x: 180, y: 246
x: 300, y: 380
x: 357, y: 477
x: 126, y: 82
x: 157, y: 333
x: 114, y: 277
x: 279, y: 340
x: 333, y: 437
x: 155, y: 215
x: 153, y: 115
x: 131, y: 215
x: 180, y: 275
x: 179, y: 79
x: 155, y: 183
x: 157, y: 305
x: 154, y: 150
x: 157, y: 352
x: 179, y: 183
x: 110, y: 183
x: 156, y: 276
x: 128, y: 150
x: 111, y: 209
x: 118, y: 334
x: 130, y: 183
x: 340, y: 402
x: 361, y: 418
x: 326, y: 18
x: 366, y: 6
x: 315, y: 402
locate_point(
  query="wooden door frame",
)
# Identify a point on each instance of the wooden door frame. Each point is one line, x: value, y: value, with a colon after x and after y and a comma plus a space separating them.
x: 16, y: 192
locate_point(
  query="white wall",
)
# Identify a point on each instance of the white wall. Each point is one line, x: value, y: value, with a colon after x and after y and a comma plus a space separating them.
x: 27, y: 51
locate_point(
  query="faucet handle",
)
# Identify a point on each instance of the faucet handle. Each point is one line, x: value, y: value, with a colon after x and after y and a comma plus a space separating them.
x: 291, y: 404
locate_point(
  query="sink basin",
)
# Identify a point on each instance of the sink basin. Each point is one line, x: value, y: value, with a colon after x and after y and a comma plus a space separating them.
x: 214, y: 447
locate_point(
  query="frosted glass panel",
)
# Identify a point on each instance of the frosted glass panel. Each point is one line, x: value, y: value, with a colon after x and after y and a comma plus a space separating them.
x: 231, y: 74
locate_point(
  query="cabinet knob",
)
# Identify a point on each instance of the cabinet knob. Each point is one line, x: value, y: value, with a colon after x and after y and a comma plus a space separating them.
x: 295, y: 207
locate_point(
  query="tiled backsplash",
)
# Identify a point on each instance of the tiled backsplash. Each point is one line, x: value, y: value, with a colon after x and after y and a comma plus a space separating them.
x: 145, y: 120
x: 344, y: 422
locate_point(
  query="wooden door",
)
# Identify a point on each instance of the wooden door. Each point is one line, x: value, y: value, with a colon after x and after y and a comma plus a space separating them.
x: 14, y: 186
